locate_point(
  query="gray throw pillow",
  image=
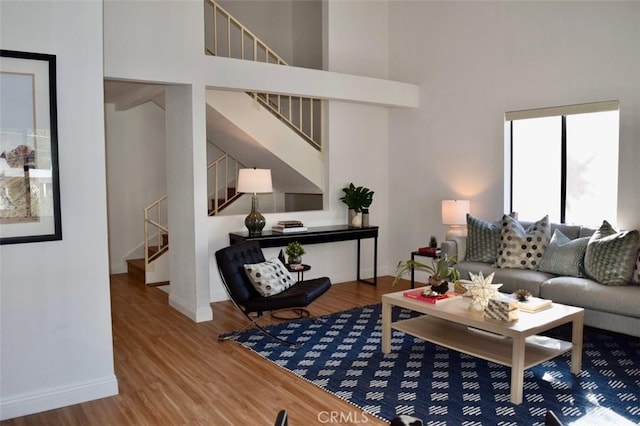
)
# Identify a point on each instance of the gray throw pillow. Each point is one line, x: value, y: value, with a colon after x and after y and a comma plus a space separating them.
x: 522, y: 248
x: 611, y: 255
x: 483, y: 239
x: 564, y: 256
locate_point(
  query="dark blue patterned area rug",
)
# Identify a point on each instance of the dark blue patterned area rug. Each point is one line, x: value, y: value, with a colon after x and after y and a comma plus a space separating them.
x: 341, y: 354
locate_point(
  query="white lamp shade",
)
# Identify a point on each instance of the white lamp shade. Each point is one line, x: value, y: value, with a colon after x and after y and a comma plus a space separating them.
x: 254, y: 181
x: 454, y: 212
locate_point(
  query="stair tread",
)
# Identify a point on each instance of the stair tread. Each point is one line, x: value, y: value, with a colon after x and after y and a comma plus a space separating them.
x: 139, y: 263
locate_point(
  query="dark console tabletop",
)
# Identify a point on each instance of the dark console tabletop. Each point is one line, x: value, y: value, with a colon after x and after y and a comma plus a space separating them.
x: 316, y: 235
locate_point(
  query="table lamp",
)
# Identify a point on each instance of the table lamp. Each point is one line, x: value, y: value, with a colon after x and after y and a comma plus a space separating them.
x: 454, y: 214
x: 254, y: 181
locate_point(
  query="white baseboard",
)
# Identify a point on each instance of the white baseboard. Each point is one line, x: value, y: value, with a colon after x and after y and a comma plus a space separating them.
x: 200, y: 314
x: 218, y: 295
x: 58, y: 397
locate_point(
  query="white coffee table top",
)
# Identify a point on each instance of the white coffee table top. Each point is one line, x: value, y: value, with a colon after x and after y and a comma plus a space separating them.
x: 457, y: 310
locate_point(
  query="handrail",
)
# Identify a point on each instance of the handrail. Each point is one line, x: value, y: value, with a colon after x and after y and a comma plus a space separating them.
x: 217, y: 167
x: 258, y: 46
x: 158, y: 227
x: 302, y: 114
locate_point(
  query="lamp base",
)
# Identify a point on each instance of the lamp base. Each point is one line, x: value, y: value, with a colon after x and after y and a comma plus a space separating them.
x: 455, y: 231
x: 254, y: 221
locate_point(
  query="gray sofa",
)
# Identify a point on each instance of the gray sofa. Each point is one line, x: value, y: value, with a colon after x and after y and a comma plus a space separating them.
x: 614, y: 308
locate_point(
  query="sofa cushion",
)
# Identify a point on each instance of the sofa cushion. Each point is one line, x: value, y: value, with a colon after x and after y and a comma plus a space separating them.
x: 483, y: 239
x: 522, y: 248
x: 589, y: 294
x: 564, y: 256
x: 511, y: 279
x: 570, y: 231
x: 611, y: 256
x: 269, y: 277
x: 636, y: 272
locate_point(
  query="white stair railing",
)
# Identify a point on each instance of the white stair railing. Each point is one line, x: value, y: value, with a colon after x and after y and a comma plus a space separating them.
x: 225, y: 36
x: 222, y: 174
x: 156, y: 232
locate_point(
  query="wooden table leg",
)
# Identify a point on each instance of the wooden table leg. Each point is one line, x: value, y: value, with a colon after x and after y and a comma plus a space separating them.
x: 576, y: 343
x: 517, y: 369
x: 386, y: 328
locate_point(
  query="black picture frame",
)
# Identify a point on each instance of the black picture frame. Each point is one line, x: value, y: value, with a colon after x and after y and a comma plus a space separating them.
x: 29, y: 174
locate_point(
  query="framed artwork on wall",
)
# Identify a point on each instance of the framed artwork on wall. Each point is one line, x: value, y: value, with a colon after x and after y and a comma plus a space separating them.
x: 29, y: 176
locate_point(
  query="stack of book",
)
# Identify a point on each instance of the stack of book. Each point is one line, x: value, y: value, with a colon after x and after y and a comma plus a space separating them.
x: 429, y: 251
x: 534, y: 304
x: 417, y: 294
x: 287, y: 226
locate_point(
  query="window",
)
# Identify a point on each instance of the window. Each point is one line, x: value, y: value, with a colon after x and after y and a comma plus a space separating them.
x: 563, y: 161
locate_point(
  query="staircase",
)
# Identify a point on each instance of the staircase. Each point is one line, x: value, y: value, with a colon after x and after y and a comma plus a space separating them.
x: 153, y: 269
x: 218, y: 204
x: 302, y: 116
x: 222, y: 178
x: 225, y: 36
x: 136, y: 268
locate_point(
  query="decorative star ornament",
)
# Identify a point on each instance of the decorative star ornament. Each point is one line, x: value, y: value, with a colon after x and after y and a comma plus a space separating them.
x: 481, y: 291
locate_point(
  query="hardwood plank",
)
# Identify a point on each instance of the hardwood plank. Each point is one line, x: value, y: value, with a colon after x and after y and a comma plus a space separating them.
x: 173, y: 371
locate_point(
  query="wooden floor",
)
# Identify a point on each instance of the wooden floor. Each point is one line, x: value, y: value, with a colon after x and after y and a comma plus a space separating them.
x: 172, y: 371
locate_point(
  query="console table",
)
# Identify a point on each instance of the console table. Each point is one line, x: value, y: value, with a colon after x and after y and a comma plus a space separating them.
x: 317, y: 235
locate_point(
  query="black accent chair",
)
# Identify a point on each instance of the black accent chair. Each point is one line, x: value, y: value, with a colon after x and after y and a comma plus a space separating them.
x: 282, y: 419
x: 231, y: 261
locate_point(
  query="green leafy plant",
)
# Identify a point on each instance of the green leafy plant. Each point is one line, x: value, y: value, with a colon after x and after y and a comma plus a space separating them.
x: 295, y: 249
x: 357, y: 198
x: 441, y: 269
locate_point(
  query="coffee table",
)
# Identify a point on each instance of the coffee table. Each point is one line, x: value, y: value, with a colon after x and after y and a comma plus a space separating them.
x: 514, y: 344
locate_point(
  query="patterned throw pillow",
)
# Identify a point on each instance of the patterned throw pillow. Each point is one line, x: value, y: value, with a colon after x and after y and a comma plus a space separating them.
x: 483, y: 239
x: 611, y: 255
x: 520, y: 248
x: 636, y: 272
x: 564, y: 256
x: 270, y: 277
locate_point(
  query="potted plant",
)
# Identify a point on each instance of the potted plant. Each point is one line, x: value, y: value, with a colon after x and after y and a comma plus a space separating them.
x: 358, y: 199
x: 433, y: 242
x: 442, y: 271
x: 294, y: 252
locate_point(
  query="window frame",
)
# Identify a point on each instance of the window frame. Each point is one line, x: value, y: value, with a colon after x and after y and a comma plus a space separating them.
x: 563, y: 112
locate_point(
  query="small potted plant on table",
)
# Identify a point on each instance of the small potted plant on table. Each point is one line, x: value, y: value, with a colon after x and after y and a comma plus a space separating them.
x: 294, y: 253
x: 358, y: 200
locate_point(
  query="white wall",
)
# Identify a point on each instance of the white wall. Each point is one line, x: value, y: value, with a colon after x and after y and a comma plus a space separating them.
x: 163, y: 51
x: 136, y: 169
x: 292, y: 28
x: 355, y: 146
x: 55, y: 327
x: 307, y: 34
x: 185, y: 127
x: 269, y: 20
x: 476, y: 60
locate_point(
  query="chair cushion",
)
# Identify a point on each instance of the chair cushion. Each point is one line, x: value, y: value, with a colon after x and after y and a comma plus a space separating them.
x: 297, y: 296
x: 231, y: 261
x: 269, y: 277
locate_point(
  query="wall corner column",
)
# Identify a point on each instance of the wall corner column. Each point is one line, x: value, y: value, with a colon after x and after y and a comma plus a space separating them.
x: 187, y: 205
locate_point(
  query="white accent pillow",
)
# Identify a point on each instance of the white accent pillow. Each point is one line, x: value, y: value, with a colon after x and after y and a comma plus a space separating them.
x: 269, y: 277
